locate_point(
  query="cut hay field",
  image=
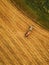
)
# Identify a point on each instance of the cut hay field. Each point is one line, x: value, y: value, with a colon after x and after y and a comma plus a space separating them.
x: 15, y: 48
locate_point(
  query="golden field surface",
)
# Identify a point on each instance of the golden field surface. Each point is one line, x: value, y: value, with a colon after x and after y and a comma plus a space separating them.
x: 15, y: 48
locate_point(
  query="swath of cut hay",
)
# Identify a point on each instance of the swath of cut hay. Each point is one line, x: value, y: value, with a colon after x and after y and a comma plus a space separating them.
x: 15, y: 48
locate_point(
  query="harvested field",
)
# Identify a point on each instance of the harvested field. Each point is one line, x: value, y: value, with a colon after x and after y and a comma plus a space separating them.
x: 15, y: 48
